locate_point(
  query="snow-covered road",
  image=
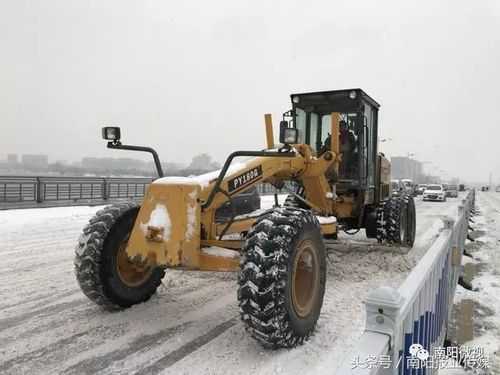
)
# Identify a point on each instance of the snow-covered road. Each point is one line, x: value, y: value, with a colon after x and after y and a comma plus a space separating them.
x: 191, y: 326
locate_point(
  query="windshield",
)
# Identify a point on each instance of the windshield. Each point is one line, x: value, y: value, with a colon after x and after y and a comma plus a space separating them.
x: 452, y: 187
x: 434, y: 187
x: 314, y: 128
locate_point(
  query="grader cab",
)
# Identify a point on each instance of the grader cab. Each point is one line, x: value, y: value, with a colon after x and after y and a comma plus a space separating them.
x: 327, y: 150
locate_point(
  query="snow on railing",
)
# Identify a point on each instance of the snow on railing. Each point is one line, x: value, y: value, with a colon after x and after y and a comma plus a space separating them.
x: 405, y: 325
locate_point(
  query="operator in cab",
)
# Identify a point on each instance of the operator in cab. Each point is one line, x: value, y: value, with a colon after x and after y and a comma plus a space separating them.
x: 348, y: 150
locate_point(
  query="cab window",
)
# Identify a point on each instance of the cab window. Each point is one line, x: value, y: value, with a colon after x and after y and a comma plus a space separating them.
x: 300, y: 124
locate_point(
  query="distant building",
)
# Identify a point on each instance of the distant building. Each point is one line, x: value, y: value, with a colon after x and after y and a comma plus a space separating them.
x: 35, y: 162
x: 106, y: 164
x: 404, y: 167
x: 203, y: 162
x: 12, y: 159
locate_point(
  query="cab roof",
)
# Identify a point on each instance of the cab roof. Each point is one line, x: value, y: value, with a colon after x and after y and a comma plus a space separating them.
x: 341, y: 98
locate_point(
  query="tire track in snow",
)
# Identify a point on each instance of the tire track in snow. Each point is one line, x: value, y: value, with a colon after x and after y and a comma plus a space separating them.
x: 95, y: 312
x: 35, y: 250
x: 39, y: 298
x: 49, y: 310
x: 43, y: 352
x: 95, y: 364
x: 188, y: 348
x: 39, y: 266
x: 92, y: 320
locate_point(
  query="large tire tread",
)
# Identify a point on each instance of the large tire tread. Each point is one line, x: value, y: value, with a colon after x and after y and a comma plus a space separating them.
x: 265, y: 268
x: 90, y: 253
x: 389, y: 216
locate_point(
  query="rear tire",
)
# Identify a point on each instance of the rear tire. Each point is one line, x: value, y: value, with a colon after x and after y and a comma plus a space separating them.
x: 399, y: 220
x: 382, y: 215
x: 282, y: 278
x: 103, y: 270
x: 411, y: 221
x: 293, y: 202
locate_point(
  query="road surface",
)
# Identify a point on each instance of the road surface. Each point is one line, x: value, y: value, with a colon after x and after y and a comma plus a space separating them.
x: 191, y: 326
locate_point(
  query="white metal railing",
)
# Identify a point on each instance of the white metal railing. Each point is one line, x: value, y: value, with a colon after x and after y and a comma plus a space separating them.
x: 415, y: 313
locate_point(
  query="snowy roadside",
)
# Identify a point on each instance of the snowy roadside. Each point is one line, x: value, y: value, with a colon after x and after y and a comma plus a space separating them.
x: 486, y: 297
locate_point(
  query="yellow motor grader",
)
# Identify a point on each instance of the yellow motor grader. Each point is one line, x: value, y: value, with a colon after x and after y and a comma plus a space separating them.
x: 328, y: 160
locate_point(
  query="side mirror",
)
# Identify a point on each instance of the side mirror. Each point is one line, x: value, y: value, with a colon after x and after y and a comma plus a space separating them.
x: 288, y: 135
x: 111, y: 133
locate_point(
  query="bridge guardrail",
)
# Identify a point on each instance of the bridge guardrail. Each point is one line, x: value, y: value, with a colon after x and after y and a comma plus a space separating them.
x: 415, y: 313
x: 25, y: 189
x: 31, y: 191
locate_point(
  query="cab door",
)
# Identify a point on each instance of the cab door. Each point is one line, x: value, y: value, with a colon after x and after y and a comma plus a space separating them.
x: 369, y: 152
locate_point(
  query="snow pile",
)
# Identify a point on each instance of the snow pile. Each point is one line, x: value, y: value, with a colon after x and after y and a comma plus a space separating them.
x: 175, y: 180
x: 220, y: 252
x: 159, y: 218
x: 327, y: 219
x: 486, y: 256
x: 202, y: 180
x: 191, y: 216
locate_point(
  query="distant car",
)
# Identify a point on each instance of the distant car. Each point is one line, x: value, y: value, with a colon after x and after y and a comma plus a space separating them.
x: 451, y: 191
x: 434, y: 193
x: 421, y: 188
x: 244, y: 203
x: 461, y: 187
x: 497, y: 189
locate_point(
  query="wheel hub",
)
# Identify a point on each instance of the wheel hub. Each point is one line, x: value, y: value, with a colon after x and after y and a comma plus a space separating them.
x: 305, y: 279
x: 132, y: 273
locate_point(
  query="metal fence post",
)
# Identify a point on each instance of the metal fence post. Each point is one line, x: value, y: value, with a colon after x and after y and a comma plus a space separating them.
x: 104, y: 189
x: 462, y: 233
x: 448, y: 223
x: 38, y: 197
x: 382, y: 312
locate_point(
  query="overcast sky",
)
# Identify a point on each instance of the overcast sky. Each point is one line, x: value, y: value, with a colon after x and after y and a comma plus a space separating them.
x: 197, y: 76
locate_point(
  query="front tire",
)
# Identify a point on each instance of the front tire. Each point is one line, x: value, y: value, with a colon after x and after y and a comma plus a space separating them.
x: 103, y: 270
x: 282, y: 278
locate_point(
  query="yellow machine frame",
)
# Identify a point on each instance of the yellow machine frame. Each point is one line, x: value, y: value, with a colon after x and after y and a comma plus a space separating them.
x: 176, y: 222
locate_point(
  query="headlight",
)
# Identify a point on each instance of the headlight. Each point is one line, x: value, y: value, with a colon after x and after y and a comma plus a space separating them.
x: 111, y: 133
x: 288, y: 135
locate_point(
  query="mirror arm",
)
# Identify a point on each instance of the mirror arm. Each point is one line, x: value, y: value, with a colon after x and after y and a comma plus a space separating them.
x: 118, y: 146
